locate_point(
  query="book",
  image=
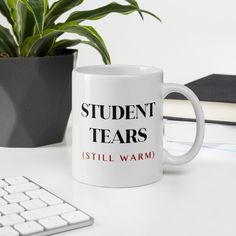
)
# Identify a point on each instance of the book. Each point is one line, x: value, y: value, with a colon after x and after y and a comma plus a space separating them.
x: 217, y: 94
x: 184, y: 132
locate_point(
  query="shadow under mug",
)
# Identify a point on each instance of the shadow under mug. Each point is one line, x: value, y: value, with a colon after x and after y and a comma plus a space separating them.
x: 117, y: 136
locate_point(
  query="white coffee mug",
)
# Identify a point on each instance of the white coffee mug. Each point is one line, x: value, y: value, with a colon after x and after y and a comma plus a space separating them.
x: 118, y: 125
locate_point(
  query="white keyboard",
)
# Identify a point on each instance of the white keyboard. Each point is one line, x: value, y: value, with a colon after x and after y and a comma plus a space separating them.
x: 28, y: 209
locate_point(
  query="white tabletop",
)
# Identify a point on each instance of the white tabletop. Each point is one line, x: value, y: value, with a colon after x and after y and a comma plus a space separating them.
x: 194, y: 199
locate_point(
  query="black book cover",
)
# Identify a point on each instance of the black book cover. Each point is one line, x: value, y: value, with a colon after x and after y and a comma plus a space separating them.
x: 212, y: 88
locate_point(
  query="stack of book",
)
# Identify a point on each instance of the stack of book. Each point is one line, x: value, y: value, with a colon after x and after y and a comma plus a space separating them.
x: 217, y: 94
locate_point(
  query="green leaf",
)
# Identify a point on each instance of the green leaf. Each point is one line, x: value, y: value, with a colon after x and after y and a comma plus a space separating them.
x: 88, y: 32
x: 58, y: 8
x: 23, y: 21
x: 151, y: 14
x: 12, y: 5
x: 104, y: 57
x: 26, y: 23
x: 101, y: 12
x: 34, y: 45
x: 38, y: 8
x: 39, y: 45
x: 63, y: 44
x: 134, y: 3
x: 5, y: 12
x: 7, y: 42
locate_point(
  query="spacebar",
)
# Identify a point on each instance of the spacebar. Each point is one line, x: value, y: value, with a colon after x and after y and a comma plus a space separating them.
x: 47, y: 211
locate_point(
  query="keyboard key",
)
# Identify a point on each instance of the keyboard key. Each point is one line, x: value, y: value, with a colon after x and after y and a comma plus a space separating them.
x: 45, y: 196
x: 36, y: 193
x: 47, y: 211
x: 53, y: 222
x: 29, y: 228
x: 8, y: 231
x: 26, y: 209
x: 3, y: 183
x: 16, y: 197
x: 51, y: 199
x: 2, y: 192
x: 33, y: 204
x: 21, y: 187
x: 75, y: 217
x: 16, y: 180
x: 11, y: 209
x: 11, y: 220
x: 2, y: 202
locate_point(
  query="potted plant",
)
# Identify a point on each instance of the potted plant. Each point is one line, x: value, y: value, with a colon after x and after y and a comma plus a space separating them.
x: 35, y: 66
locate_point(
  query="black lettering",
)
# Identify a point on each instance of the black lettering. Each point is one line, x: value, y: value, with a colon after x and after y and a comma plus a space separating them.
x: 151, y: 108
x: 104, y: 136
x: 85, y: 110
x: 102, y: 112
x: 142, y: 134
x: 131, y: 134
x: 94, y: 134
x: 115, y: 111
x: 94, y: 110
x: 118, y: 137
x: 129, y: 112
x: 139, y: 108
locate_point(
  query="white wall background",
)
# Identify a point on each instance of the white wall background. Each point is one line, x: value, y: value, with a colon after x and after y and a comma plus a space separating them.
x: 196, y: 38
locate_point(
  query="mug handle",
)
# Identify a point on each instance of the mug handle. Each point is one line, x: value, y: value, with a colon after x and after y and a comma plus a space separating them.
x: 182, y: 159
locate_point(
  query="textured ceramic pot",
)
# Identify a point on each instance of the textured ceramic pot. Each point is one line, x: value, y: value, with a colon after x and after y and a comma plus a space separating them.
x: 35, y: 99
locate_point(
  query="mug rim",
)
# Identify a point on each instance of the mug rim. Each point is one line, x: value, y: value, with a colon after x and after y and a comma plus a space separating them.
x: 109, y: 70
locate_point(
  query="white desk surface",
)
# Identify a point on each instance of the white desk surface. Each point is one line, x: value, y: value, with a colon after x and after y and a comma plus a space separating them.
x: 194, y: 199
